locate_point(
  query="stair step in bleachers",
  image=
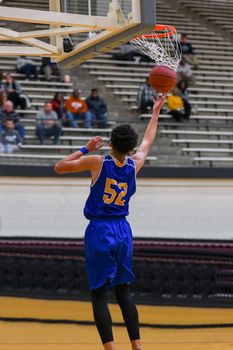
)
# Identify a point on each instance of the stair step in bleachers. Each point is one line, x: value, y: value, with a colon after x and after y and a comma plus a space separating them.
x: 217, y: 134
x: 213, y: 160
x: 47, y: 159
x: 191, y: 96
x: 145, y: 70
x: 196, y: 102
x: 195, y: 92
x: 199, y: 151
x: 65, y: 139
x: 209, y: 142
x: 217, y: 13
x: 216, y: 82
x: 197, y: 118
x: 90, y: 131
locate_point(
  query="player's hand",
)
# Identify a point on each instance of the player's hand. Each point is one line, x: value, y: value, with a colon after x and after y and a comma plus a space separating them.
x: 158, y: 104
x: 94, y: 143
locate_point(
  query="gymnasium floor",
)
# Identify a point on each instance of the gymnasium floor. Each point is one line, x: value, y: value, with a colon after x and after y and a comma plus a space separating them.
x: 41, y: 336
x: 59, y: 337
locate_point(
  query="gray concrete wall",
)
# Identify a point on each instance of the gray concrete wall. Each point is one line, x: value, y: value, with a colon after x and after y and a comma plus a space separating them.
x: 161, y: 208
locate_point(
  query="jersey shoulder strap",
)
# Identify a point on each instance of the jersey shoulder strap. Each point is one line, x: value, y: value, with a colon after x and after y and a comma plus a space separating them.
x: 131, y: 162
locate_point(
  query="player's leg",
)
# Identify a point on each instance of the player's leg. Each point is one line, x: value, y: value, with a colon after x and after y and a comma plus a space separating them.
x: 102, y: 316
x: 130, y: 314
x: 101, y: 268
x: 124, y: 276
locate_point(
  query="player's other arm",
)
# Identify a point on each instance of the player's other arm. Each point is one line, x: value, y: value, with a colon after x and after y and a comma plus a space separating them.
x: 73, y: 163
x: 140, y: 156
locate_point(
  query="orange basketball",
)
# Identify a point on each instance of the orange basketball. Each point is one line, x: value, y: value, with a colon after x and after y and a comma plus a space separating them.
x: 162, y: 78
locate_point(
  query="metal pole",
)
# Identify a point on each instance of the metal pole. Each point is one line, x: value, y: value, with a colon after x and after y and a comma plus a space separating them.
x: 89, y: 14
x: 65, y: 5
x: 89, y: 7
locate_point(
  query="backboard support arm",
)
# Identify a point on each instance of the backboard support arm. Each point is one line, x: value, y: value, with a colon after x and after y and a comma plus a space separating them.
x: 114, y: 30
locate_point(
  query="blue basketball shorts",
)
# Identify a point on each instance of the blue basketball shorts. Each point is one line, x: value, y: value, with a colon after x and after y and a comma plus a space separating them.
x: 108, y: 252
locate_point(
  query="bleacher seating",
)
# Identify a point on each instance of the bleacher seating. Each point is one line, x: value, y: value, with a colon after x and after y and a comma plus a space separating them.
x: 217, y: 12
x: 211, y: 97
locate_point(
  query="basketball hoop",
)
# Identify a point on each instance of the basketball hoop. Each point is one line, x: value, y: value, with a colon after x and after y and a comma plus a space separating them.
x: 162, y: 46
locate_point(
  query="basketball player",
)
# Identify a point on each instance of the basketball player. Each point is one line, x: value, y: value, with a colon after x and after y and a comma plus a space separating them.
x: 108, y: 237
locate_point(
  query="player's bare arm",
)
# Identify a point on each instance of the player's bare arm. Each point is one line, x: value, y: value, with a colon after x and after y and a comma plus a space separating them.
x: 75, y: 162
x: 140, y: 156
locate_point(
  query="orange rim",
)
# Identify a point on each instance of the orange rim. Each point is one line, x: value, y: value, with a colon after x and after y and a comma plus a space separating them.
x: 159, y: 28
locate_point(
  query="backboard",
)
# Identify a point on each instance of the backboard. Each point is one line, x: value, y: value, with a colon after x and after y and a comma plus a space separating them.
x: 94, y: 26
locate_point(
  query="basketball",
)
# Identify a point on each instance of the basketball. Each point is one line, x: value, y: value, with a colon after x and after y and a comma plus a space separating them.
x: 162, y: 78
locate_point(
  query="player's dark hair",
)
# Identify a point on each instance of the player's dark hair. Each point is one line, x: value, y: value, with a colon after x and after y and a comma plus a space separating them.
x: 124, y: 139
x: 94, y: 90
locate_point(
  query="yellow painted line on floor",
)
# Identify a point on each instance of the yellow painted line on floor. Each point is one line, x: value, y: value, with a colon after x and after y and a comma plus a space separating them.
x: 82, y: 311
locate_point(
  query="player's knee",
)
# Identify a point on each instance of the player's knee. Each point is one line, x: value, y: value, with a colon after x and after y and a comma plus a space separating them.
x: 122, y: 293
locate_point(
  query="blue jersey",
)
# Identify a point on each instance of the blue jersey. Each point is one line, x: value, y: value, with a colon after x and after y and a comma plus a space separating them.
x: 111, y: 192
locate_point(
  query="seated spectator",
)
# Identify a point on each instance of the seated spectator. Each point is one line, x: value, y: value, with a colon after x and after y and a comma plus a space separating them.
x: 76, y: 107
x: 187, y: 51
x: 182, y: 87
x: 48, y: 68
x: 145, y: 96
x: 58, y: 104
x: 2, y: 91
x: 185, y: 73
x: 47, y: 124
x: 8, y: 113
x: 175, y: 106
x: 128, y: 52
x: 13, y: 91
x: 9, y: 138
x: 26, y: 66
x: 98, y: 108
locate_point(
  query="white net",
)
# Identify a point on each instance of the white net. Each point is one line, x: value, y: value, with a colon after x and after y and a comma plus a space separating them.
x: 164, y: 51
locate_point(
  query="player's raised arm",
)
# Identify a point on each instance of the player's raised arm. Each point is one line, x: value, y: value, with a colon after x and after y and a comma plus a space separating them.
x: 73, y: 163
x: 140, y: 156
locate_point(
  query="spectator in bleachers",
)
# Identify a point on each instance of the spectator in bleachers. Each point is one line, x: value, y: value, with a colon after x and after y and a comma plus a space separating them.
x: 48, y: 124
x: 128, y: 52
x: 58, y: 104
x: 98, y: 108
x: 187, y: 51
x: 145, y: 96
x: 175, y: 106
x: 26, y: 66
x: 12, y: 89
x: 9, y: 138
x: 2, y: 91
x: 77, y: 107
x: 182, y: 87
x: 48, y: 68
x: 185, y: 73
x: 8, y: 113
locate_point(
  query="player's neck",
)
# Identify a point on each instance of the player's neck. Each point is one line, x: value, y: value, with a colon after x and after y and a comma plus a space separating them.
x: 119, y: 157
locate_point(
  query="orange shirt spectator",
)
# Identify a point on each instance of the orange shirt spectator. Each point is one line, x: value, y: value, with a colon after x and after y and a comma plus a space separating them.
x: 75, y: 104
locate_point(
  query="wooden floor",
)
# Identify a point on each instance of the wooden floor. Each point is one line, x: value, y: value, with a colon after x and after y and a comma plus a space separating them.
x: 14, y: 336
x: 38, y: 336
